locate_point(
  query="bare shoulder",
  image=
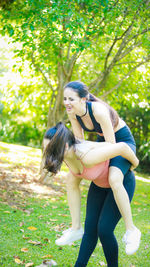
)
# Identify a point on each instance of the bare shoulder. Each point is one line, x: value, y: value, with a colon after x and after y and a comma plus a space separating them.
x: 99, y: 109
x: 85, y: 146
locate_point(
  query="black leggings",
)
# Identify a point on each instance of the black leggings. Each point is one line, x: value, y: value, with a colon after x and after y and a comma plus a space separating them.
x: 102, y: 216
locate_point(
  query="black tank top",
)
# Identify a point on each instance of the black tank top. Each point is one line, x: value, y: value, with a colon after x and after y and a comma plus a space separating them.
x: 97, y: 127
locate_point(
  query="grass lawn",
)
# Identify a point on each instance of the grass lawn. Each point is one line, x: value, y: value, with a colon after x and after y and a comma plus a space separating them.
x: 32, y: 215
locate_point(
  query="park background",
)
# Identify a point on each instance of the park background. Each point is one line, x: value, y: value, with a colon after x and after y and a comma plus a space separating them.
x: 43, y: 45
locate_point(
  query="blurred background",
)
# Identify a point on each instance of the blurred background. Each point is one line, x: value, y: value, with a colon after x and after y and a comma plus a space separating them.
x: 44, y: 44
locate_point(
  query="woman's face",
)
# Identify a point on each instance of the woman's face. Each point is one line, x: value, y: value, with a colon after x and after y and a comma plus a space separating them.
x: 72, y: 102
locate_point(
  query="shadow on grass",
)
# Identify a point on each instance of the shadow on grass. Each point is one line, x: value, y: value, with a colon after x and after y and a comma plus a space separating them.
x: 19, y: 175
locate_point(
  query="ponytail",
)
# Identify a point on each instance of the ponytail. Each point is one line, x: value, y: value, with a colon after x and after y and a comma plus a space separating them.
x: 54, y: 152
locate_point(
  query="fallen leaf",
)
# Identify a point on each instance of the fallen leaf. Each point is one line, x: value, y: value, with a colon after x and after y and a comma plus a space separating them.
x: 25, y: 237
x: 18, y: 261
x: 136, y: 203
x: 29, y: 264
x: 32, y: 228
x: 47, y: 256
x: 34, y: 242
x: 24, y: 249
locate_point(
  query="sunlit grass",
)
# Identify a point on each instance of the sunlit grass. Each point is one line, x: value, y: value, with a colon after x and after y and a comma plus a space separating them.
x: 30, y: 224
x: 18, y: 154
x: 49, y: 217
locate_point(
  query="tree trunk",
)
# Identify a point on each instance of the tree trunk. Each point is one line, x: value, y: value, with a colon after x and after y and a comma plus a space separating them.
x: 56, y: 110
x: 56, y: 113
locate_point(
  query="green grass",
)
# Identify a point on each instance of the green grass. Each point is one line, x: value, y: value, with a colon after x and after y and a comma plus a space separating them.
x: 49, y: 215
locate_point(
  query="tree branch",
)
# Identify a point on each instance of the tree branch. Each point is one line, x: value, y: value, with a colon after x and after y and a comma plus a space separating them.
x: 122, y: 45
x: 126, y: 76
x: 138, y: 34
x: 86, y: 37
x: 128, y: 50
x: 109, y: 52
x: 129, y: 62
x: 40, y: 70
x: 116, y: 39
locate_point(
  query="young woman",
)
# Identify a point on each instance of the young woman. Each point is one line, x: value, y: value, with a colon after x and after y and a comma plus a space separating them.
x: 86, y: 112
x: 90, y: 160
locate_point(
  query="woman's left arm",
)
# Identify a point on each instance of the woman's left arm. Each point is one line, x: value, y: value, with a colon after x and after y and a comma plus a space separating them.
x: 102, y: 116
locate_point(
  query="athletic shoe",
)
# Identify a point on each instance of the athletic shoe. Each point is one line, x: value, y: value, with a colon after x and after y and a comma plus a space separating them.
x: 132, y: 240
x: 69, y: 237
x: 67, y: 230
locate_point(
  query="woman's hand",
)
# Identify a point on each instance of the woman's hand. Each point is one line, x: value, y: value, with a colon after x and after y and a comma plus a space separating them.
x: 135, y: 164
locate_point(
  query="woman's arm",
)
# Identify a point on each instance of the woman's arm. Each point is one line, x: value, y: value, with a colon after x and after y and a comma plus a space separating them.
x: 102, y: 116
x: 76, y: 127
x: 107, y: 151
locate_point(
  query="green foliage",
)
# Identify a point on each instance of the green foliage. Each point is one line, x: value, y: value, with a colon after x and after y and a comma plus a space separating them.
x: 102, y: 43
x: 23, y: 110
x: 133, y: 106
x: 24, y: 120
x: 137, y: 116
x: 56, y: 31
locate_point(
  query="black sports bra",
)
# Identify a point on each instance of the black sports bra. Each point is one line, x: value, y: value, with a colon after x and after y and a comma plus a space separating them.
x: 97, y: 127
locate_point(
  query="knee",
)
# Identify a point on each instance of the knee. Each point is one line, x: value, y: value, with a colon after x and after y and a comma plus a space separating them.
x: 90, y: 232
x: 103, y: 232
x: 90, y: 227
x: 115, y: 179
x: 115, y: 184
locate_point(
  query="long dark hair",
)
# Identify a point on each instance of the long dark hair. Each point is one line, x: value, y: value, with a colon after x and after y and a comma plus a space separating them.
x: 58, y: 135
x: 82, y: 90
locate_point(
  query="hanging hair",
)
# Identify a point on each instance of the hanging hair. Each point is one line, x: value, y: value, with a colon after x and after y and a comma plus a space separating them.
x: 58, y: 136
x: 82, y: 90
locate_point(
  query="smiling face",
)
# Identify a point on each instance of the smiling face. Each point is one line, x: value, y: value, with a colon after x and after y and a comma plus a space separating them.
x: 73, y: 103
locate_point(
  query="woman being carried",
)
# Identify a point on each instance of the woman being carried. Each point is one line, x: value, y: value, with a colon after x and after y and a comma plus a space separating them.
x: 90, y: 160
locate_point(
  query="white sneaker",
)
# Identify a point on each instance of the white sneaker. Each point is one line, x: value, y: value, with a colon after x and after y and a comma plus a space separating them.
x: 132, y: 240
x: 69, y: 237
x: 67, y: 230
